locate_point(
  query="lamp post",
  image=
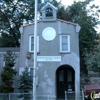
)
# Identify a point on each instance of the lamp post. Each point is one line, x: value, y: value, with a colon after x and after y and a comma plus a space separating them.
x: 35, y: 52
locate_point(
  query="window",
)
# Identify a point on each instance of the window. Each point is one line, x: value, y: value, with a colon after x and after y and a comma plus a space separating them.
x: 31, y: 43
x: 61, y: 76
x: 64, y: 43
x: 49, y: 12
x: 31, y: 73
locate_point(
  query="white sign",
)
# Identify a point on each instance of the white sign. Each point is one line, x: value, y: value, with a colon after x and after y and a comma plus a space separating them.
x: 49, y: 58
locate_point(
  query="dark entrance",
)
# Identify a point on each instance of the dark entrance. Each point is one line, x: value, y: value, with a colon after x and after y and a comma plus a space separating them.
x: 65, y: 80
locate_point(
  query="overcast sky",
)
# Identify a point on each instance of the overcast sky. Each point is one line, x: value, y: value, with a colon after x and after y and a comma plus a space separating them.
x: 69, y: 2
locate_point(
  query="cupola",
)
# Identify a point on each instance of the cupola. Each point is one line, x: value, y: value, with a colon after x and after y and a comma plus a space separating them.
x: 49, y: 12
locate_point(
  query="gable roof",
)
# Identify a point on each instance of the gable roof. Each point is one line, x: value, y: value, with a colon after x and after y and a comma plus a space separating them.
x: 48, y: 4
x: 67, y: 22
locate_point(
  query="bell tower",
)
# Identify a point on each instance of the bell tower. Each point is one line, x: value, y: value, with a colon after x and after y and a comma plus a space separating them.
x: 49, y: 12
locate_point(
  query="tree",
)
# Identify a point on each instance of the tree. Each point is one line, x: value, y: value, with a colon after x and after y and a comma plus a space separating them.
x: 12, y: 15
x: 81, y: 15
x: 25, y: 84
x: 87, y: 19
x: 61, y: 10
x: 92, y: 59
x: 8, y: 73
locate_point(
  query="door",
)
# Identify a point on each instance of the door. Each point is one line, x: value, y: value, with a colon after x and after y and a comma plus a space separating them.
x: 65, y: 80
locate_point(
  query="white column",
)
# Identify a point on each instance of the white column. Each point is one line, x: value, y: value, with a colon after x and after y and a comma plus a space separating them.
x: 77, y: 83
x: 35, y: 52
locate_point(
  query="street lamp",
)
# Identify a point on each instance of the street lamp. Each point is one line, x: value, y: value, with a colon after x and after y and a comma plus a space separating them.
x: 35, y: 51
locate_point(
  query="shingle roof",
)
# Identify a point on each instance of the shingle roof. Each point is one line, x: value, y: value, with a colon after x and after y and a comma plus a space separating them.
x: 14, y: 49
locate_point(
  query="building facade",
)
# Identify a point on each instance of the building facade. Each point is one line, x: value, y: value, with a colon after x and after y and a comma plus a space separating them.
x: 58, y: 64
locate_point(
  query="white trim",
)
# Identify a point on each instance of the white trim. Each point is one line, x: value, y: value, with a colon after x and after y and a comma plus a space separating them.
x: 77, y: 28
x: 29, y: 69
x: 21, y: 69
x: 46, y: 34
x: 68, y: 43
x: 33, y: 43
x: 49, y: 58
x: 48, y: 4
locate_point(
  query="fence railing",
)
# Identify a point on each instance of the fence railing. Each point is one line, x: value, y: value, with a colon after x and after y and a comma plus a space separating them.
x: 15, y: 96
x: 24, y: 96
x: 29, y: 96
x: 71, y: 95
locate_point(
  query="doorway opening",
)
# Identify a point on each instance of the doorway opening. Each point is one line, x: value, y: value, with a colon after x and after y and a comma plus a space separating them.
x: 65, y: 80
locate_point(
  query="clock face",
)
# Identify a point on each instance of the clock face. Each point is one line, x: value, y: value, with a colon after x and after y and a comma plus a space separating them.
x: 49, y: 33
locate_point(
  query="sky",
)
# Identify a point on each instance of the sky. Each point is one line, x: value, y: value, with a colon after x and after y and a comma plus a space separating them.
x: 69, y: 2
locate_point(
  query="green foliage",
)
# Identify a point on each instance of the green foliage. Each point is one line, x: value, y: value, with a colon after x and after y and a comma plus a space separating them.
x: 25, y: 84
x: 87, y: 19
x: 8, y: 72
x: 81, y: 15
x: 92, y: 59
x: 12, y: 15
x: 61, y: 10
x: 9, y: 58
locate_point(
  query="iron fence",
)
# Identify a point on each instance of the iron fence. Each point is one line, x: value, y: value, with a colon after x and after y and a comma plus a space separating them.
x: 24, y: 96
x: 29, y: 96
x: 71, y: 95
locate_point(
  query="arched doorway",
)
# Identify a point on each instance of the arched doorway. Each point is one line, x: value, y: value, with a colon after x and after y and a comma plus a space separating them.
x: 65, y: 80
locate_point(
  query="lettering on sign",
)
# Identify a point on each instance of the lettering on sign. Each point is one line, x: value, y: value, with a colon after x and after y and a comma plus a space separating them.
x: 49, y: 58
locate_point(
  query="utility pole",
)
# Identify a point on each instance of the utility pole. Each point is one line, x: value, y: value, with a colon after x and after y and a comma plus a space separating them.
x: 35, y: 51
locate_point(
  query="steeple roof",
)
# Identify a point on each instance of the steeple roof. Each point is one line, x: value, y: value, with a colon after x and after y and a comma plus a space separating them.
x: 48, y: 4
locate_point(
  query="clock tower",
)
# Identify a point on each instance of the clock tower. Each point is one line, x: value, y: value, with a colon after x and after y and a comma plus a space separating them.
x: 49, y: 12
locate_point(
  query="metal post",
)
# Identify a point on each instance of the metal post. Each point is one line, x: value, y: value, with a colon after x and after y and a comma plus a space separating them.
x: 35, y: 52
x: 82, y: 94
x: 65, y: 95
x: 9, y: 95
x: 48, y: 95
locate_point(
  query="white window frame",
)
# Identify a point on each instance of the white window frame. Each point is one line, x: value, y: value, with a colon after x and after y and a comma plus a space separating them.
x: 29, y: 68
x: 33, y: 43
x: 3, y: 63
x: 67, y: 42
